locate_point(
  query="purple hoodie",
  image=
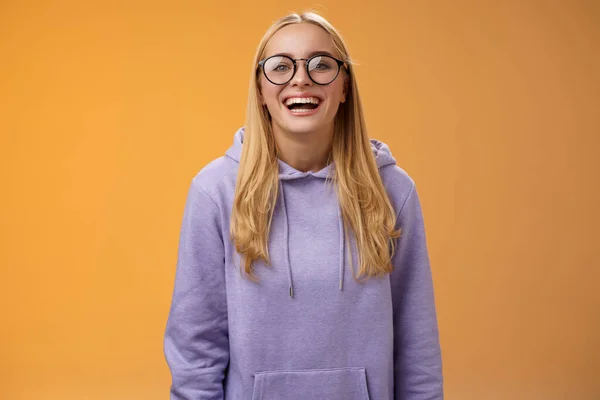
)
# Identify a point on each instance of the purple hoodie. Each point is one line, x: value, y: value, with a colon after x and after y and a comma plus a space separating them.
x: 307, y: 330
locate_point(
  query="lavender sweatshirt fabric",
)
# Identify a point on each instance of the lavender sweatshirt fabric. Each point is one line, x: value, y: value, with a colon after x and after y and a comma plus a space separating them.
x: 307, y: 330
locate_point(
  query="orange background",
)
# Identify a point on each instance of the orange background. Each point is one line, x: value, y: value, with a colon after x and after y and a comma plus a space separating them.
x: 108, y: 109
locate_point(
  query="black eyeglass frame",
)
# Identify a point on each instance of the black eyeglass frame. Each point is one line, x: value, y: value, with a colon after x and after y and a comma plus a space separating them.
x: 340, y: 63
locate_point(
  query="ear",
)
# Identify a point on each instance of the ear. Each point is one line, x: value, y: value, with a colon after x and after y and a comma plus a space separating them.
x: 261, y: 99
x: 260, y: 96
x: 345, y: 89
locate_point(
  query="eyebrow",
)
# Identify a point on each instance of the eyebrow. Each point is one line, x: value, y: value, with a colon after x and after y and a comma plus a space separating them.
x: 311, y: 54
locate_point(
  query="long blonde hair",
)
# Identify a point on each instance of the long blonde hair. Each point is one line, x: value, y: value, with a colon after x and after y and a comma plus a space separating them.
x: 365, y: 206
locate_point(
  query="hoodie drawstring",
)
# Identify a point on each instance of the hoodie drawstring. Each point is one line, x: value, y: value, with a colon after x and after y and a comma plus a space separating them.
x: 286, y: 233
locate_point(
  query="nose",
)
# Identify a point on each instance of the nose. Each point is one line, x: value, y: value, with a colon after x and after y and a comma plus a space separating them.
x: 301, y: 77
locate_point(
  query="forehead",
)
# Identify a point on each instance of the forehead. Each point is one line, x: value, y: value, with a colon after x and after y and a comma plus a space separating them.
x: 300, y: 40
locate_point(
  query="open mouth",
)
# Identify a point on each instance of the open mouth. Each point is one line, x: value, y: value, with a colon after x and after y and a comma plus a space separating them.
x: 300, y: 105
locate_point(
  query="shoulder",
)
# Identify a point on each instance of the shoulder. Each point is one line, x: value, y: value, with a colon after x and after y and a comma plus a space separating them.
x: 398, y: 184
x: 217, y: 178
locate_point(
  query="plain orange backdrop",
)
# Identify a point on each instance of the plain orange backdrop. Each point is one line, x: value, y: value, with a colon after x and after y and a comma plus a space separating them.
x: 108, y: 109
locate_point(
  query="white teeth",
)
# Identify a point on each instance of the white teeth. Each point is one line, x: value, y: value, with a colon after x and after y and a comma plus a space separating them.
x: 301, y: 100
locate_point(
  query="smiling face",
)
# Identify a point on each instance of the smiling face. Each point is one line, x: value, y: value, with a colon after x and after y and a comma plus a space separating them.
x: 292, y: 106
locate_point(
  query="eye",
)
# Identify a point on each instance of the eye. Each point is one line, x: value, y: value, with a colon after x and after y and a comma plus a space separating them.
x: 321, y: 64
x: 281, y: 68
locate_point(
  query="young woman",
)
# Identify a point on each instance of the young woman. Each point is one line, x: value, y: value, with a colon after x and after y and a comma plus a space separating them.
x: 267, y: 303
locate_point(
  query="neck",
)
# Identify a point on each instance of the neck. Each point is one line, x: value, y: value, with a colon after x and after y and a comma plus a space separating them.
x: 304, y: 151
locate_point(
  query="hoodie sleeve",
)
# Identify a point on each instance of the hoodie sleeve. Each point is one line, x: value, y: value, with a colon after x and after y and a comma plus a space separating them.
x: 196, y: 342
x: 417, y: 354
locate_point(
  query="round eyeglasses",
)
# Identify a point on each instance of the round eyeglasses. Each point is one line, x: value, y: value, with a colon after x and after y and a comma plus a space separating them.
x: 321, y: 69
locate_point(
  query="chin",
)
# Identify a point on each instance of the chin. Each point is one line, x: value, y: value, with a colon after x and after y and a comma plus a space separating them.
x: 303, y: 126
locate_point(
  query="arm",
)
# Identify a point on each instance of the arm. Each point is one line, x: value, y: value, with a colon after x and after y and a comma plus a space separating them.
x: 417, y: 355
x: 196, y: 343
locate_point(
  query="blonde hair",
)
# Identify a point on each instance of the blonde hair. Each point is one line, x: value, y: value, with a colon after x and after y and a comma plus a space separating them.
x: 364, y: 203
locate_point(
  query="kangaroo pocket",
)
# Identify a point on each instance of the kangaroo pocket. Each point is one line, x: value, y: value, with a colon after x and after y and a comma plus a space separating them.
x: 315, y: 384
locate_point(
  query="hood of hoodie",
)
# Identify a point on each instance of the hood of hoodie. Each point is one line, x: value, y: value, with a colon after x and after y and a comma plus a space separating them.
x: 383, y: 158
x: 381, y: 151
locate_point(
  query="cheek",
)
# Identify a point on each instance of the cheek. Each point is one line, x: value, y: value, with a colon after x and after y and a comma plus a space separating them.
x: 335, y: 93
x: 269, y: 93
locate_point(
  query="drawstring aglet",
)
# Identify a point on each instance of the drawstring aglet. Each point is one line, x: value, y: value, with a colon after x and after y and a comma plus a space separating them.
x: 291, y: 292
